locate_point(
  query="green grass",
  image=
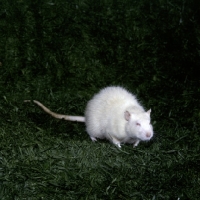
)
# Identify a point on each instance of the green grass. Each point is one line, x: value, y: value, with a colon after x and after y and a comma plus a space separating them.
x: 44, y: 158
x: 63, y: 52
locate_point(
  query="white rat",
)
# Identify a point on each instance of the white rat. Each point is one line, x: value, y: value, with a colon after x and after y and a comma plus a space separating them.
x: 113, y: 114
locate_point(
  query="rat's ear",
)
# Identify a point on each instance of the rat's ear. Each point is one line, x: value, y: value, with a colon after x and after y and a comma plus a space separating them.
x: 127, y: 115
x: 149, y: 111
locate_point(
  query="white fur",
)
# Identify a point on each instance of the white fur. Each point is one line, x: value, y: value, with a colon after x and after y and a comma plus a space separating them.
x: 116, y: 115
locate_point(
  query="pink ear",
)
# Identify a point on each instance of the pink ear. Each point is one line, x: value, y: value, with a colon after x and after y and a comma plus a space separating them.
x: 127, y: 115
x: 149, y: 111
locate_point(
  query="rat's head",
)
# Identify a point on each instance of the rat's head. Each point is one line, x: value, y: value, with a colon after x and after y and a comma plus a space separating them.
x: 139, y: 125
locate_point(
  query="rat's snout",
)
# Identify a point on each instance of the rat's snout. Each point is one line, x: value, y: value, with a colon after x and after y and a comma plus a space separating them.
x: 148, y: 134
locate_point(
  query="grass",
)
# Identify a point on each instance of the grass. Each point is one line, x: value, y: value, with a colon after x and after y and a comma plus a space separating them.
x: 63, y: 52
x: 44, y: 158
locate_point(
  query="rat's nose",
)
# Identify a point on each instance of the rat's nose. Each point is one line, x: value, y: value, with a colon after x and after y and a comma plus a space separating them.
x: 148, y: 134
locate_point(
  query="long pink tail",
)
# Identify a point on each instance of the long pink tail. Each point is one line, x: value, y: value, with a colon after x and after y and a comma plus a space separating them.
x: 56, y: 115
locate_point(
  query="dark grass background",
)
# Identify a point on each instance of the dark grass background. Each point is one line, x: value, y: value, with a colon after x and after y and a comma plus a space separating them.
x: 61, y: 53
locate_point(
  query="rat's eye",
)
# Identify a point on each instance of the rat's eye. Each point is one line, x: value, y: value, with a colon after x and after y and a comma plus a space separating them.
x: 138, y: 124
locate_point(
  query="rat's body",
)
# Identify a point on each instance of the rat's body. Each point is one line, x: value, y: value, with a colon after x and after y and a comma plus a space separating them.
x: 113, y: 114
